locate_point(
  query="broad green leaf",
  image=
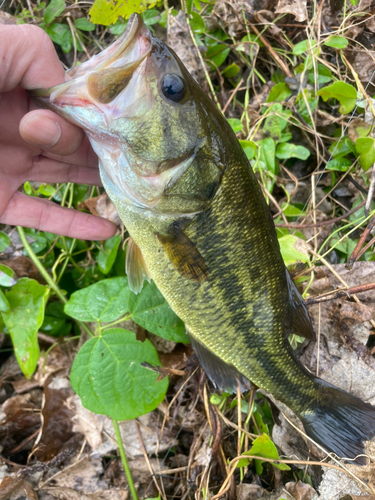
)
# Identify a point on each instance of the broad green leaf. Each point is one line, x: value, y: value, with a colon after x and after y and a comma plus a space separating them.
x: 262, y: 447
x: 250, y: 148
x: 150, y: 310
x: 151, y: 17
x: 4, y: 241
x: 287, y: 150
x: 279, y: 92
x: 4, y: 304
x: 339, y: 164
x: 60, y: 34
x: 338, y: 42
x: 345, y: 93
x: 231, y: 71
x: 366, y: 149
x: 55, y: 327
x: 197, y: 23
x: 291, y: 210
x: 119, y: 27
x: 27, y: 301
x: 46, y: 190
x: 303, y: 46
x: 217, y: 54
x: 108, y: 11
x: 354, y: 2
x: 267, y: 155
x: 306, y: 104
x: 276, y: 121
x: 293, y: 249
x: 53, y: 10
x: 104, y: 301
x: 6, y: 276
x: 236, y: 124
x: 107, y: 257
x: 342, y: 147
x: 323, y: 75
x: 84, y: 24
x: 260, y: 424
x: 108, y: 376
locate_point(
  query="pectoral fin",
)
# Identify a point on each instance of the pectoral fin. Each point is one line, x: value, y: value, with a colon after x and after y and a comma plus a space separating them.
x: 183, y: 254
x: 225, y: 377
x: 135, y: 266
x: 301, y: 320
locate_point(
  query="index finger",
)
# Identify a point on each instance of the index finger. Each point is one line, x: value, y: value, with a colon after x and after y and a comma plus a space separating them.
x: 28, y: 58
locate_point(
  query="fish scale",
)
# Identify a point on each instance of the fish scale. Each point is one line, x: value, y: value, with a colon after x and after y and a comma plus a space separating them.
x: 201, y: 228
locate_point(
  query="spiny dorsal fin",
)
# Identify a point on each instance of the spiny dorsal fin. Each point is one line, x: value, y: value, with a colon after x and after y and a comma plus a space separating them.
x: 135, y: 266
x: 183, y: 254
x: 301, y: 323
x: 222, y: 375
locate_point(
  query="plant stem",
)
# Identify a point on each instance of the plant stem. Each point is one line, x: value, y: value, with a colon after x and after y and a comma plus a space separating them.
x: 43, y: 271
x: 124, y: 460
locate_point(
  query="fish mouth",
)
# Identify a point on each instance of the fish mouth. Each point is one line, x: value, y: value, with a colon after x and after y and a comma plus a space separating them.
x: 102, y: 78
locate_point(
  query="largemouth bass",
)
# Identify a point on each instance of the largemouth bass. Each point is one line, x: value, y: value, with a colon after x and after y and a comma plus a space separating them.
x: 201, y: 228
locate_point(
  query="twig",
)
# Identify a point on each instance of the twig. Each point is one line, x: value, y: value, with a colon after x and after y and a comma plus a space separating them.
x: 124, y: 460
x: 318, y: 342
x: 370, y: 190
x: 360, y: 243
x: 337, y: 294
x: 324, y: 222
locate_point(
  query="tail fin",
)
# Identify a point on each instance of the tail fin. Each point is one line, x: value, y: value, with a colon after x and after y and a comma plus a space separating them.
x: 341, y: 423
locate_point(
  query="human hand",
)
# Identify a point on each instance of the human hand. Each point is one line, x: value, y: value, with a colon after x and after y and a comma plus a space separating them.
x: 38, y: 145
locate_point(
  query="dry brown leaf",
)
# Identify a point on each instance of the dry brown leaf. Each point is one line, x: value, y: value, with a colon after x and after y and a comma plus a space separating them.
x: 249, y: 491
x: 102, y: 206
x: 24, y: 268
x: 13, y: 488
x: 354, y: 497
x: 295, y: 7
x: 300, y: 490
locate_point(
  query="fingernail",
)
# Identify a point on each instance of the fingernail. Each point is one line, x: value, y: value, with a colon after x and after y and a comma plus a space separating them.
x: 41, y: 131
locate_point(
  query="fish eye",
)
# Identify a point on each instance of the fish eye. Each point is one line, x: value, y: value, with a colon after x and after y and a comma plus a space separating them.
x: 173, y: 87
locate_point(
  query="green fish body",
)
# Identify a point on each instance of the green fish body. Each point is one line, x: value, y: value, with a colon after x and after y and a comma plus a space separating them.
x: 201, y: 228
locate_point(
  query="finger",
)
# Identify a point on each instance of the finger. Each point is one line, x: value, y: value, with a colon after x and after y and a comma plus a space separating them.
x: 45, y: 215
x: 48, y: 170
x: 48, y: 130
x: 28, y: 58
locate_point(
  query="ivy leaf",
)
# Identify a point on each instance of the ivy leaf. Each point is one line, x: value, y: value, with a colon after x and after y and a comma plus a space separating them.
x: 108, y: 376
x: 339, y: 164
x: 53, y: 10
x: 105, y: 301
x: 262, y: 447
x: 4, y: 304
x: 366, y: 148
x: 107, y: 257
x: 337, y: 42
x: 196, y: 23
x: 279, y: 92
x: 84, y: 24
x: 287, y: 150
x: 108, y: 11
x: 345, y: 93
x: 60, y: 34
x: 27, y: 301
x: 6, y: 276
x: 4, y: 241
x: 217, y: 54
x: 342, y: 147
x: 293, y: 249
x: 150, y: 310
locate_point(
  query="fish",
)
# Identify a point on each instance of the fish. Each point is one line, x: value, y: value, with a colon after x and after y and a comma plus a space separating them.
x: 200, y: 227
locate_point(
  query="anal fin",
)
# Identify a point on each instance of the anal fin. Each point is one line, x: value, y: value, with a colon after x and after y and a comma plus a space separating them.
x: 135, y: 267
x: 183, y: 254
x: 301, y: 323
x: 224, y: 377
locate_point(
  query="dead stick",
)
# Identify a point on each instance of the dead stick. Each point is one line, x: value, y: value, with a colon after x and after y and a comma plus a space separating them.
x: 361, y: 241
x: 340, y: 293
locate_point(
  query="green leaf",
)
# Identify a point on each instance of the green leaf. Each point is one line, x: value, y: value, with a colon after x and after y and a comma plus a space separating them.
x: 338, y: 42
x: 107, y: 257
x: 267, y: 155
x: 84, y: 24
x: 231, y: 71
x: 108, y: 11
x: 108, y: 376
x: 236, y: 124
x: 279, y: 92
x: 287, y: 150
x: 293, y: 249
x: 60, y: 34
x: 150, y: 310
x: 339, y: 164
x: 250, y: 148
x: 291, y: 210
x: 53, y: 10
x: 262, y: 447
x: 345, y: 93
x: 55, y: 327
x: 366, y: 149
x: 4, y: 304
x: 197, y: 23
x: 303, y: 46
x: 151, y: 17
x: 217, y: 54
x: 105, y: 301
x: 323, y: 75
x: 27, y: 301
x: 6, y: 276
x: 276, y: 121
x: 342, y: 147
x: 46, y: 190
x: 4, y: 241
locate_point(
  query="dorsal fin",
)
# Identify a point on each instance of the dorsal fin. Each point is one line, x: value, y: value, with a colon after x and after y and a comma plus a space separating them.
x: 301, y: 323
x: 222, y: 375
x: 135, y: 266
x: 183, y: 254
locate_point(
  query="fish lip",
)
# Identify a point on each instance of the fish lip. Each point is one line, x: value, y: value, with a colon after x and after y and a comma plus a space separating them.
x: 104, y: 60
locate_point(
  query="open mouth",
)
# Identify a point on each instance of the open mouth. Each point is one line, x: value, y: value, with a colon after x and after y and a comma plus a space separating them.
x: 102, y: 78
